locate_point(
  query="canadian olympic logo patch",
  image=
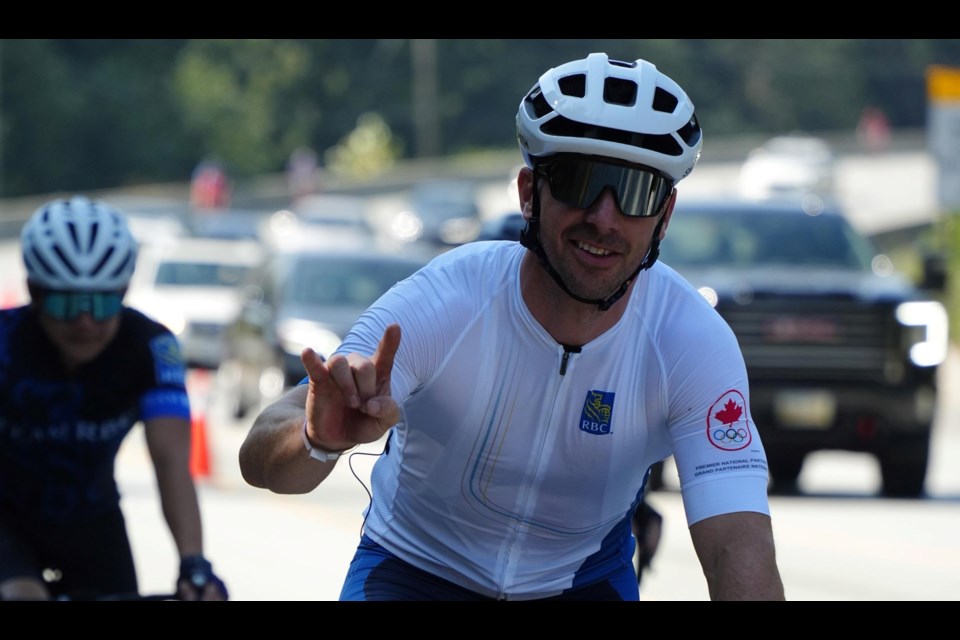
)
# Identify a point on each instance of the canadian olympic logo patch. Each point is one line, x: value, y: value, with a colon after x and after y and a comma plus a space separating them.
x: 727, y: 424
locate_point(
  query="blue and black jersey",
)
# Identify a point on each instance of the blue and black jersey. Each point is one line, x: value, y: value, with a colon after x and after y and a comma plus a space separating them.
x: 60, y: 431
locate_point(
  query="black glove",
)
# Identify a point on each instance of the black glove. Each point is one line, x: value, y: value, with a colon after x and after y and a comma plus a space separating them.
x: 198, y: 571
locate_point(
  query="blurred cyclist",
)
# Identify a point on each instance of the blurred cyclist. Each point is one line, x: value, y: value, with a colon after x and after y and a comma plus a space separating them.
x: 77, y: 371
x: 537, y: 382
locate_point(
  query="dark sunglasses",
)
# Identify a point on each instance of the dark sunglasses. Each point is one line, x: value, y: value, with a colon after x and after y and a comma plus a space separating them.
x: 577, y: 181
x: 68, y: 305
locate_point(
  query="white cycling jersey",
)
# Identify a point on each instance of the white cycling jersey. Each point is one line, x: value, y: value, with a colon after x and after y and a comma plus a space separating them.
x: 511, y: 477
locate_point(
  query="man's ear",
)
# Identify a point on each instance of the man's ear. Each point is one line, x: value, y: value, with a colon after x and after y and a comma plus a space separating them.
x: 525, y: 192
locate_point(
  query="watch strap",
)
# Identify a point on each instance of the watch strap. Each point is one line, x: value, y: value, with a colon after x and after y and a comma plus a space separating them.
x: 317, y: 453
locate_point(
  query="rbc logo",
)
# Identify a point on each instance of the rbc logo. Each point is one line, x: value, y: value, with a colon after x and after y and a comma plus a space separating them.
x: 167, y: 359
x: 597, y: 412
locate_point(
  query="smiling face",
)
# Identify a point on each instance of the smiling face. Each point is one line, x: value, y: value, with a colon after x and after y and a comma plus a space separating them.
x: 594, y: 249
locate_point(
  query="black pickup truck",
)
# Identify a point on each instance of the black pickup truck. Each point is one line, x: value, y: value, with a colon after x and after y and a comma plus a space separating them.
x: 841, y: 351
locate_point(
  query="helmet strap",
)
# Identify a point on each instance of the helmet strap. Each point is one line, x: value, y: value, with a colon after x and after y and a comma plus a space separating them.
x: 530, y: 238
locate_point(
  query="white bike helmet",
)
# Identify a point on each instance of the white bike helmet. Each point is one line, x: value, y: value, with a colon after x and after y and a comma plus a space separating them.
x: 624, y: 110
x: 78, y: 245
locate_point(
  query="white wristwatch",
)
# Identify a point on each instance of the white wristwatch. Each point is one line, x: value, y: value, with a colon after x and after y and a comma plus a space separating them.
x: 316, y: 452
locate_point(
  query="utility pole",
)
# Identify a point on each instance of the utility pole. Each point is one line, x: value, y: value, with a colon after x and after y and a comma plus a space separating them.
x: 426, y: 115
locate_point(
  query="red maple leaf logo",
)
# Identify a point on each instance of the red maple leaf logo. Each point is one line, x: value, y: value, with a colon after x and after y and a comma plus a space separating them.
x: 730, y: 414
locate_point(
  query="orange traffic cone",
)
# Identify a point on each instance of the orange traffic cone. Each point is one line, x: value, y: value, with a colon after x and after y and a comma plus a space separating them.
x: 8, y: 299
x: 198, y: 386
x: 199, y: 453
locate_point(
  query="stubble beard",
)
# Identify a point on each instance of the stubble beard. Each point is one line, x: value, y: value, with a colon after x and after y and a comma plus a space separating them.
x: 582, y: 281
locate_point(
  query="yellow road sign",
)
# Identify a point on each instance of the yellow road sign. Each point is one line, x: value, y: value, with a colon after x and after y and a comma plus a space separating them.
x: 943, y: 83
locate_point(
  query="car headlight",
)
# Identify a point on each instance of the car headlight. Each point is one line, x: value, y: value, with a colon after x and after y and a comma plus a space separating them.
x: 406, y: 226
x: 928, y: 339
x: 296, y: 335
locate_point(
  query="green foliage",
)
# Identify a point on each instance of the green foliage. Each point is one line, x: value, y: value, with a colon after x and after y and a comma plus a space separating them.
x: 367, y: 151
x: 99, y: 113
x: 230, y: 95
x: 950, y: 234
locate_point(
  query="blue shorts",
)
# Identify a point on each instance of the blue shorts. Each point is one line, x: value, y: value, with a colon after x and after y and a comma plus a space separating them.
x: 375, y: 574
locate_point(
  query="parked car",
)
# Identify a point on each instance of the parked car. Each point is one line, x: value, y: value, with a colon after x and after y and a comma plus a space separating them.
x: 789, y: 166
x: 442, y: 213
x: 842, y: 352
x: 504, y: 227
x: 227, y: 224
x: 324, y: 218
x: 307, y: 297
x: 192, y: 285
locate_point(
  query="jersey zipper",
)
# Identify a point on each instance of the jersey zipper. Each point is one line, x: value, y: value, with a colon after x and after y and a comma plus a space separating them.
x: 511, y: 548
x: 567, y: 350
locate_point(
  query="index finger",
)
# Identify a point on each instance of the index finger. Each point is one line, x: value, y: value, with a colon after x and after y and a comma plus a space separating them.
x: 383, y: 357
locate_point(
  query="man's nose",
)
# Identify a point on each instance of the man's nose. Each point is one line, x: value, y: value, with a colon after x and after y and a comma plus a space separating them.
x: 85, y: 319
x: 604, y: 212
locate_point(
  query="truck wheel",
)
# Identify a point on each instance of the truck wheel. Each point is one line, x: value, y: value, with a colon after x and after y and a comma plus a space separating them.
x: 903, y: 467
x: 784, y: 471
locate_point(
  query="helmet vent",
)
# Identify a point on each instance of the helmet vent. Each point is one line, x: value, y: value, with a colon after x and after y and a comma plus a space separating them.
x: 620, y: 91
x: 38, y: 261
x: 539, y: 103
x: 664, y: 101
x: 690, y: 132
x: 94, y: 231
x: 575, y: 85
x: 103, y: 261
x: 122, y: 266
x: 74, y: 238
x: 65, y: 261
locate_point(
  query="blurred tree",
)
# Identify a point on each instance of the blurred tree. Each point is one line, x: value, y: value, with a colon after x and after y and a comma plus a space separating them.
x: 233, y: 96
x: 77, y: 116
x: 365, y: 152
x: 100, y: 113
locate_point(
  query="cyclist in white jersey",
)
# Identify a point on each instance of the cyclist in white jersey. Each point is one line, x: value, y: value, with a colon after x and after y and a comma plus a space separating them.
x: 527, y: 388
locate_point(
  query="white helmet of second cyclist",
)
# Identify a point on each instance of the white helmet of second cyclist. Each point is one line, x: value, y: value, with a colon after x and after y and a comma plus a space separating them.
x: 624, y: 110
x: 78, y: 244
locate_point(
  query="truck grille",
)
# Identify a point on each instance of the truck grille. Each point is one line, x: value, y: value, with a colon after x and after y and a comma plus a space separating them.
x: 800, y: 338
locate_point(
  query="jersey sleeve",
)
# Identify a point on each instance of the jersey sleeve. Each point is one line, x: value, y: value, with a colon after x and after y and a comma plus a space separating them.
x: 720, y: 458
x: 166, y: 396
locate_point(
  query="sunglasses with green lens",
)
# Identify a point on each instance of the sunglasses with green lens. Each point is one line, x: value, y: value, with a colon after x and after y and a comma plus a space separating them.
x: 68, y: 305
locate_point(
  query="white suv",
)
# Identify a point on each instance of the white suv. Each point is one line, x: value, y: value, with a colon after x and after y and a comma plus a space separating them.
x: 192, y: 285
